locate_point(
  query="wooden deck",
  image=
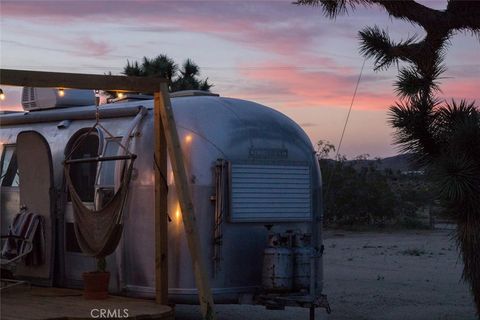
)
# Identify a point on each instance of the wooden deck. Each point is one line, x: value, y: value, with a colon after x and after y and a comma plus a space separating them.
x: 56, y: 303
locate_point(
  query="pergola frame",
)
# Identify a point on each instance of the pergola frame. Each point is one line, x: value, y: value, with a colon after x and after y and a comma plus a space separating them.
x: 166, y: 138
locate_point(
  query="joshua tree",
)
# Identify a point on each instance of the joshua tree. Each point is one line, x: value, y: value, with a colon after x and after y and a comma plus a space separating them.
x: 185, y: 78
x: 188, y: 79
x: 444, y: 137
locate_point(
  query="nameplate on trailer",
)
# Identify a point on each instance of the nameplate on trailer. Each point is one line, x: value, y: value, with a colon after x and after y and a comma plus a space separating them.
x: 268, y: 153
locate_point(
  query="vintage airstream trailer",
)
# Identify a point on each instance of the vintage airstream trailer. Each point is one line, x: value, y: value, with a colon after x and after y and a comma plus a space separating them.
x: 254, y: 177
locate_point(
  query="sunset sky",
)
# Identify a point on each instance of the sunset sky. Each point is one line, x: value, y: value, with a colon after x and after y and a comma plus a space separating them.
x: 273, y: 52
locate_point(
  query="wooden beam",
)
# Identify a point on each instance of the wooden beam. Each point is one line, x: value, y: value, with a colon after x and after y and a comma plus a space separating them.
x: 24, y: 78
x: 186, y: 206
x: 161, y: 213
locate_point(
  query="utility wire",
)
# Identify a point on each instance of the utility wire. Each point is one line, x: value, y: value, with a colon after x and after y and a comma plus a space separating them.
x: 350, y: 109
x: 332, y: 173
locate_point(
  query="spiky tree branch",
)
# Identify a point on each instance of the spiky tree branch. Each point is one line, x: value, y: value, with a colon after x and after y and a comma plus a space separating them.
x: 459, y: 15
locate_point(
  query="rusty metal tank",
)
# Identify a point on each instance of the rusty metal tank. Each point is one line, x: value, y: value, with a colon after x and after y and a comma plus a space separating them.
x: 277, y: 272
x: 277, y: 269
x: 302, y: 254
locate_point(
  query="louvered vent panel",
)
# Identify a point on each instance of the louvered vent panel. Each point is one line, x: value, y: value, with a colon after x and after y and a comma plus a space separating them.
x: 269, y: 193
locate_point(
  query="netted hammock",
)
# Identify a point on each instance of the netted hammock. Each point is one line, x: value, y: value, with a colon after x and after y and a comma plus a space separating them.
x: 99, y: 231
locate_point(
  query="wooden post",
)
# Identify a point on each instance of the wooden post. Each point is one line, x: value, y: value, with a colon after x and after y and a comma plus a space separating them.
x: 161, y: 213
x: 186, y: 205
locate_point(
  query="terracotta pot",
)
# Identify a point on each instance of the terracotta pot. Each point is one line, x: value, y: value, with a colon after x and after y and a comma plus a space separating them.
x: 95, y: 285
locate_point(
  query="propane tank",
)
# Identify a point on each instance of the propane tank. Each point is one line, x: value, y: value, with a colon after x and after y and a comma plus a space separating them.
x: 302, y: 253
x: 277, y: 265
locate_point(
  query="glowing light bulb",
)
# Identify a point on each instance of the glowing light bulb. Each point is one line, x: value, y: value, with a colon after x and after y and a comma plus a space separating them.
x: 61, y: 92
x: 120, y: 95
x: 178, y: 212
x: 188, y: 138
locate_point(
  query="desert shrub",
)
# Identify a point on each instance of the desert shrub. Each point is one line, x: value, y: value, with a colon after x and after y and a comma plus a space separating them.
x: 355, y: 196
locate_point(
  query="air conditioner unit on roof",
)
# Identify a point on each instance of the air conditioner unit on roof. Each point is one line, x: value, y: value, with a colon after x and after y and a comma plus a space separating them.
x: 48, y: 98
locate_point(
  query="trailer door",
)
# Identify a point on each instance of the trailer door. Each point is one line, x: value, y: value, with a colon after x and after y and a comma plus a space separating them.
x: 34, y: 161
x: 85, y: 144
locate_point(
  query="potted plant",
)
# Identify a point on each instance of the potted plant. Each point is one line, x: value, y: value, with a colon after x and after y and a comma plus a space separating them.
x: 96, y: 282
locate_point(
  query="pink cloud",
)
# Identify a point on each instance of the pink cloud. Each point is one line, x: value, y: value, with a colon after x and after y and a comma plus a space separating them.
x: 288, y: 86
x: 92, y: 47
x: 461, y: 89
x: 60, y: 43
x: 295, y: 87
x: 277, y: 27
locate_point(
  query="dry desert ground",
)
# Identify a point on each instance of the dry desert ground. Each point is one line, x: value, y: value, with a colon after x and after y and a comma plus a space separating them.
x: 378, y: 275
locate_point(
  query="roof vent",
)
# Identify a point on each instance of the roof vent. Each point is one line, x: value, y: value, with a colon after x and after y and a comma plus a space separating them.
x: 48, y: 98
x: 191, y: 93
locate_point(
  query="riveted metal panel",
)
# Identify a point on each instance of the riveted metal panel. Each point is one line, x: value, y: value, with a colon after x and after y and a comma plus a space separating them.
x: 270, y: 193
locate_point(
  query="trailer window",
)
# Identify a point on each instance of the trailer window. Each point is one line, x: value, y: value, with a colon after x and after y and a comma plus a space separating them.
x: 106, y: 174
x: 9, y: 174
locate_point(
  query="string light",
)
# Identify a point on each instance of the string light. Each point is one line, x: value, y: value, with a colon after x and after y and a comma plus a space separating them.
x: 178, y: 213
x: 2, y: 95
x: 61, y: 92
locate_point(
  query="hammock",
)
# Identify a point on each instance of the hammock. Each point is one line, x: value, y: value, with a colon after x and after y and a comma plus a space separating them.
x: 99, y: 231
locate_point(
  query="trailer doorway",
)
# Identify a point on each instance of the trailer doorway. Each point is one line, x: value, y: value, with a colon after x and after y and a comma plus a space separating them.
x: 34, y: 160
x: 86, y: 144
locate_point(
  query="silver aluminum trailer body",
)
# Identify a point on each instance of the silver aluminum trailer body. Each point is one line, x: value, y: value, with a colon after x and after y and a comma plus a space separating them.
x: 248, y: 136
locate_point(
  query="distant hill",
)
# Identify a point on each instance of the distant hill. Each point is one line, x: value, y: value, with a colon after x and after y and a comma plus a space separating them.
x: 400, y: 162
x: 396, y: 163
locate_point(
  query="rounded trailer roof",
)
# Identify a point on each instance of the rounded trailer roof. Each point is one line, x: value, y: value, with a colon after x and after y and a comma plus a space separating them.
x: 234, y: 125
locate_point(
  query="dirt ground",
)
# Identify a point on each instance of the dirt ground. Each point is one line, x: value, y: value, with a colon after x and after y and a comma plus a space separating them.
x: 378, y: 275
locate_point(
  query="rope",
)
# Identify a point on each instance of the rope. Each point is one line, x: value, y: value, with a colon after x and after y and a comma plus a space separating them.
x: 79, y: 142
x: 97, y: 124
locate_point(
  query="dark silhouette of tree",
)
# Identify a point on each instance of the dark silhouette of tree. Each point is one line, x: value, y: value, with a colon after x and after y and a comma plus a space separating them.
x: 185, y: 78
x: 443, y: 137
x: 188, y: 79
